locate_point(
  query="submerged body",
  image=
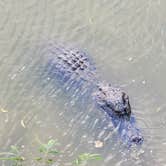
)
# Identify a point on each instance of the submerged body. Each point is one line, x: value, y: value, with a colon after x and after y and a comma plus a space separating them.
x: 73, y: 69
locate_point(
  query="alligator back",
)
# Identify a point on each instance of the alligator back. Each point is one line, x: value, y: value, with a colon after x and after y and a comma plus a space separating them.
x: 70, y: 67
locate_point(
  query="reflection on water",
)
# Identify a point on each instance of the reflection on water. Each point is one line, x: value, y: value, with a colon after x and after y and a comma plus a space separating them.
x: 127, y: 40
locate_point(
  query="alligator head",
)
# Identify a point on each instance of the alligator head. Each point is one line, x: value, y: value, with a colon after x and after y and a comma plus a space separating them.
x: 116, y: 104
x: 113, y: 101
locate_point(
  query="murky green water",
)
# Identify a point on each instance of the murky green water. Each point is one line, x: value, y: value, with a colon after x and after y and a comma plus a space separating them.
x: 127, y: 40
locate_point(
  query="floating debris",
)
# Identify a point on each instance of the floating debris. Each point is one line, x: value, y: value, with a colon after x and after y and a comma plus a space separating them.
x: 144, y: 82
x: 158, y: 109
x: 99, y: 144
x: 3, y: 110
x: 23, y: 124
x: 6, y: 120
x: 130, y: 59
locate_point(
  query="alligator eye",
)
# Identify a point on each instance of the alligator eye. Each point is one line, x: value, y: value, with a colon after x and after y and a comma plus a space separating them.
x: 125, y: 98
x: 109, y: 106
x: 128, y: 109
x: 100, y: 89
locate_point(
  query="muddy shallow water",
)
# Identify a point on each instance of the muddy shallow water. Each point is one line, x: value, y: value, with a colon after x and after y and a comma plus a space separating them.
x: 126, y: 39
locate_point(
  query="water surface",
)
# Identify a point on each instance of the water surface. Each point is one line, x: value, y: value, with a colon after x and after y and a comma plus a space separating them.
x: 126, y: 39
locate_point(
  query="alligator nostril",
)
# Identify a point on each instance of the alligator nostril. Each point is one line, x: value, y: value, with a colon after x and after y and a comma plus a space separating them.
x: 137, y: 140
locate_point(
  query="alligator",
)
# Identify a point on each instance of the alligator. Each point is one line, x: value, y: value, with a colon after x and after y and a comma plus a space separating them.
x: 74, y: 69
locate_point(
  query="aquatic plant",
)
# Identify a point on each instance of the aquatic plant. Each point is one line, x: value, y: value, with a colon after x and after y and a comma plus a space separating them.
x: 14, y: 155
x: 85, y: 157
x: 47, y: 153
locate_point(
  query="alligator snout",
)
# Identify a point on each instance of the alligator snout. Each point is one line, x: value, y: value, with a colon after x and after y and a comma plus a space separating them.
x: 138, y: 140
x: 129, y: 132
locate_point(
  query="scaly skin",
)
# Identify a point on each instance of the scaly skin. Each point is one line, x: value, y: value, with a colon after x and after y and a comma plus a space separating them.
x: 75, y: 69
